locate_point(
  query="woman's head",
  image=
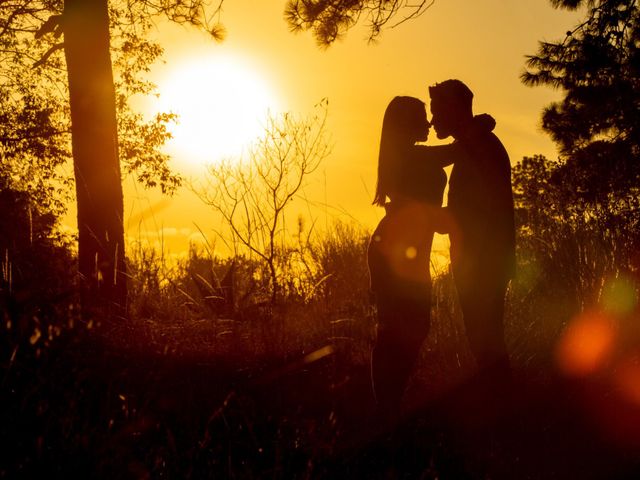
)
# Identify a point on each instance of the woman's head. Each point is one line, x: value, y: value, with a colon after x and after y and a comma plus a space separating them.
x: 405, y: 120
x: 405, y: 123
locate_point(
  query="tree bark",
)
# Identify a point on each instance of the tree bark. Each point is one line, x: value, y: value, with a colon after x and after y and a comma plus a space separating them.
x: 101, y: 254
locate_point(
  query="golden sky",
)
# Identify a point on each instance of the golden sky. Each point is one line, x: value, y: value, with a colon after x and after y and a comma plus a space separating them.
x: 482, y: 43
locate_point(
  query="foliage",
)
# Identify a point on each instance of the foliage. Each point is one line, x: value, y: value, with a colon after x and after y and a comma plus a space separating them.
x: 329, y: 20
x: 578, y: 217
x: 597, y: 123
x: 140, y: 141
x: 36, y: 286
x: 37, y: 295
x: 253, y: 194
x: 35, y: 131
x: 568, y: 245
x: 202, y: 14
x: 134, y: 53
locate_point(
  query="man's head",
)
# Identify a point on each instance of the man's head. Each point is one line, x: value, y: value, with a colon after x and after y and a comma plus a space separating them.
x: 451, y: 107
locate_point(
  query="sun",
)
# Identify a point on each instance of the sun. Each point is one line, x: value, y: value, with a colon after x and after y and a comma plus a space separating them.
x: 221, y: 103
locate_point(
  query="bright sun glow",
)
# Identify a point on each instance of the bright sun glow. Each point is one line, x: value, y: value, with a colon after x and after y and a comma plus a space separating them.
x: 222, y: 105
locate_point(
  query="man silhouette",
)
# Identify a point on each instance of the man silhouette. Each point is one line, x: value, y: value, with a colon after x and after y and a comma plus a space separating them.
x: 480, y: 204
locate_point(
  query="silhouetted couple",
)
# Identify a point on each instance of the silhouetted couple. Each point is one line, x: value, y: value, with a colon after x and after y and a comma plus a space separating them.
x: 478, y: 219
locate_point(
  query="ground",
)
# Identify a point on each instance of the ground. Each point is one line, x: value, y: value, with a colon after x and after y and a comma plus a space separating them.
x: 95, y: 406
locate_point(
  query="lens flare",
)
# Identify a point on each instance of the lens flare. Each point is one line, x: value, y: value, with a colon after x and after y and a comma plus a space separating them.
x: 619, y: 295
x: 411, y: 253
x: 586, y: 344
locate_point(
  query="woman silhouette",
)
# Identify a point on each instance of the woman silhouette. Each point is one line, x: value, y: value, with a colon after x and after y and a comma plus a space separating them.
x: 399, y: 249
x: 411, y: 177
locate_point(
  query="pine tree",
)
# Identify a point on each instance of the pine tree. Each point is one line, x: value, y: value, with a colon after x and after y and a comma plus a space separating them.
x: 597, y: 124
x: 331, y: 19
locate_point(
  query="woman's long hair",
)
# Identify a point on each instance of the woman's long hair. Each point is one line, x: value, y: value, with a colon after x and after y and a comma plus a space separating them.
x: 403, y: 124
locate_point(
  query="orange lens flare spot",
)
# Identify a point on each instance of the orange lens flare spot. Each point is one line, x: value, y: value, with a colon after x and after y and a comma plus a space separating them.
x: 411, y: 253
x: 586, y: 344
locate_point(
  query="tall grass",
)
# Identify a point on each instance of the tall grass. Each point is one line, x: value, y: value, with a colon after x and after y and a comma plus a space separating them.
x: 223, y: 305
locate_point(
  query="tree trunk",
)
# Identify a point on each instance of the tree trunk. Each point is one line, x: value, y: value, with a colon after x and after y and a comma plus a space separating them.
x: 95, y: 156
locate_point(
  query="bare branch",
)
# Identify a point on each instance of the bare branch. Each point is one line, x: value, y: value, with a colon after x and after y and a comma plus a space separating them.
x: 253, y: 194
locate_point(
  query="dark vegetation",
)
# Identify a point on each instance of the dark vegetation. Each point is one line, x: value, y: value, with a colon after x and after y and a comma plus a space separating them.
x: 210, y: 379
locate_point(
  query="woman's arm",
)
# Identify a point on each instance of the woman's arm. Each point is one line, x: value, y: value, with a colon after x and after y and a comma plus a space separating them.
x: 441, y: 155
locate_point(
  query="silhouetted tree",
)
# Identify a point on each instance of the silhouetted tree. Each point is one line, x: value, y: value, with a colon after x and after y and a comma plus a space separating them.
x: 29, y: 33
x: 101, y: 252
x: 580, y: 216
x: 597, y: 123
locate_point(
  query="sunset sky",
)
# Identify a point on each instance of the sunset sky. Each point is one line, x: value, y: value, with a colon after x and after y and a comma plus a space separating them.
x: 482, y: 43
